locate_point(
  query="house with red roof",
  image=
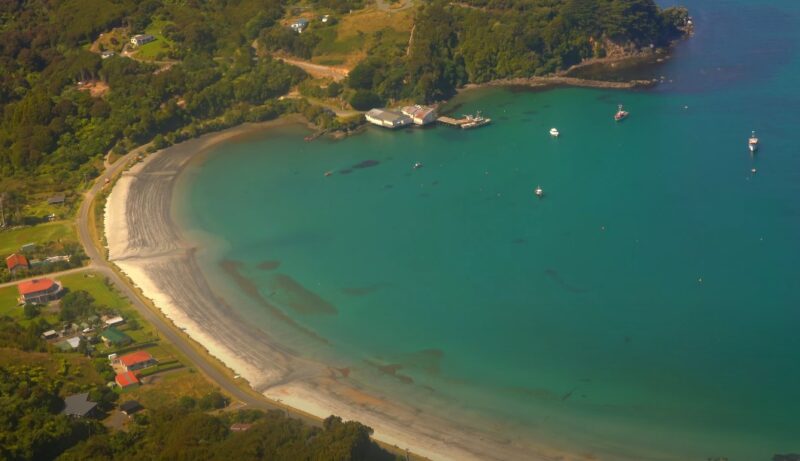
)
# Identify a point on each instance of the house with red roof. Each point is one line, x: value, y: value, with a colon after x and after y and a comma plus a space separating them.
x: 126, y: 379
x: 39, y: 291
x: 17, y: 262
x: 137, y: 360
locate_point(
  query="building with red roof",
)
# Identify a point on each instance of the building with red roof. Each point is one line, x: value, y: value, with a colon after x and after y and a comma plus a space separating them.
x: 126, y: 379
x: 137, y: 360
x: 17, y: 262
x: 39, y: 291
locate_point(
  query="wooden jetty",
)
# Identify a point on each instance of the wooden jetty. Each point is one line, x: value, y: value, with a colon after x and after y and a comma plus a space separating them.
x: 457, y: 122
x: 466, y: 121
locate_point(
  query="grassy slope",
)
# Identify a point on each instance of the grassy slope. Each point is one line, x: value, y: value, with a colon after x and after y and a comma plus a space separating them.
x: 8, y: 302
x: 347, y: 42
x: 81, y: 370
x: 168, y: 387
x: 96, y: 286
x: 12, y: 240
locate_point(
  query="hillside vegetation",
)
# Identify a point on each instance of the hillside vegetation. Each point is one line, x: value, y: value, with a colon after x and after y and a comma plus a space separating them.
x: 475, y: 41
x: 64, y: 107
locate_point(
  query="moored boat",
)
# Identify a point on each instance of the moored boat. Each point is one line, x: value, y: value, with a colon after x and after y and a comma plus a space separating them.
x: 752, y: 143
x: 418, y: 165
x: 621, y: 114
x: 539, y: 192
x: 554, y: 132
x: 475, y: 121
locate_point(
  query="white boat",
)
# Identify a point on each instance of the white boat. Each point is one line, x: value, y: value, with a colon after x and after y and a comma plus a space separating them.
x: 752, y: 143
x: 621, y: 114
x: 539, y: 192
x: 553, y: 132
x: 418, y: 165
x: 475, y: 121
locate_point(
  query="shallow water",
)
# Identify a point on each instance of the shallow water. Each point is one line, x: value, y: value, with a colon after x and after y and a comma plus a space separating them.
x: 646, y: 308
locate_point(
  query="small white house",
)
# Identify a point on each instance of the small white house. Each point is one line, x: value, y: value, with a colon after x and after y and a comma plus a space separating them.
x: 299, y: 25
x: 141, y: 39
x: 50, y: 334
x: 114, y: 321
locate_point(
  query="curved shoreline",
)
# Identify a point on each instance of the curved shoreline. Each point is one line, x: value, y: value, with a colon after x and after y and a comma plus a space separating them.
x: 144, y: 242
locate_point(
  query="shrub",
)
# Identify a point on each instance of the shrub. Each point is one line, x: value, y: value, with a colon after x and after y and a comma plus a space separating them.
x: 365, y: 100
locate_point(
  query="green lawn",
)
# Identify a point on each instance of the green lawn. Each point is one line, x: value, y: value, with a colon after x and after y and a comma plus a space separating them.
x: 8, y: 302
x: 12, y: 240
x: 161, y: 44
x: 95, y: 285
x: 151, y: 50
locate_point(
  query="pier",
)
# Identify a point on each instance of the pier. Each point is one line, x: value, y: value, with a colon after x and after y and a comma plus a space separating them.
x: 466, y: 121
x: 457, y: 122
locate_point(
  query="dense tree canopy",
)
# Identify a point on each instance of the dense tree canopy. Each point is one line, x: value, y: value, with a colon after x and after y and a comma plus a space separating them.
x: 176, y: 433
x: 53, y: 129
x: 481, y: 40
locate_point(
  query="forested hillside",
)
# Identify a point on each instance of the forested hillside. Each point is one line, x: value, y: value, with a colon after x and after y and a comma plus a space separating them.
x: 32, y: 428
x: 65, y: 104
x: 53, y: 122
x: 474, y: 41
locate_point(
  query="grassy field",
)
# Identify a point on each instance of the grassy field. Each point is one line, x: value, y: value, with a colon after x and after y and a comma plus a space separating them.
x: 80, y: 369
x: 95, y: 284
x: 347, y: 42
x: 12, y: 240
x: 8, y: 302
x: 168, y: 387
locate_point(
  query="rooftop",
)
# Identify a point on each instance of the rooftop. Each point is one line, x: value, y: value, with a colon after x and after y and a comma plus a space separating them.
x: 417, y: 110
x: 135, y: 357
x: 15, y: 260
x: 35, y: 286
x: 131, y: 406
x: 115, y: 336
x: 126, y: 379
x: 114, y: 320
x: 386, y: 115
x: 78, y: 405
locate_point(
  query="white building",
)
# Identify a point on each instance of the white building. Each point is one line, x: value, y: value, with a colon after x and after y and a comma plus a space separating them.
x: 420, y: 115
x: 300, y: 25
x: 114, y: 321
x: 141, y: 39
x: 388, y: 118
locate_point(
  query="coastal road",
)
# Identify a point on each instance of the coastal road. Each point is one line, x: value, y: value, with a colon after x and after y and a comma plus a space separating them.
x: 50, y: 275
x: 198, y: 360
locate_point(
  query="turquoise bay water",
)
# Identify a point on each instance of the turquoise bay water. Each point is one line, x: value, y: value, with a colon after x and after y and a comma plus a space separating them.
x: 646, y: 308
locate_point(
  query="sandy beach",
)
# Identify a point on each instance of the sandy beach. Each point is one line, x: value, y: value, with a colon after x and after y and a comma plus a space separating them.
x: 144, y: 242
